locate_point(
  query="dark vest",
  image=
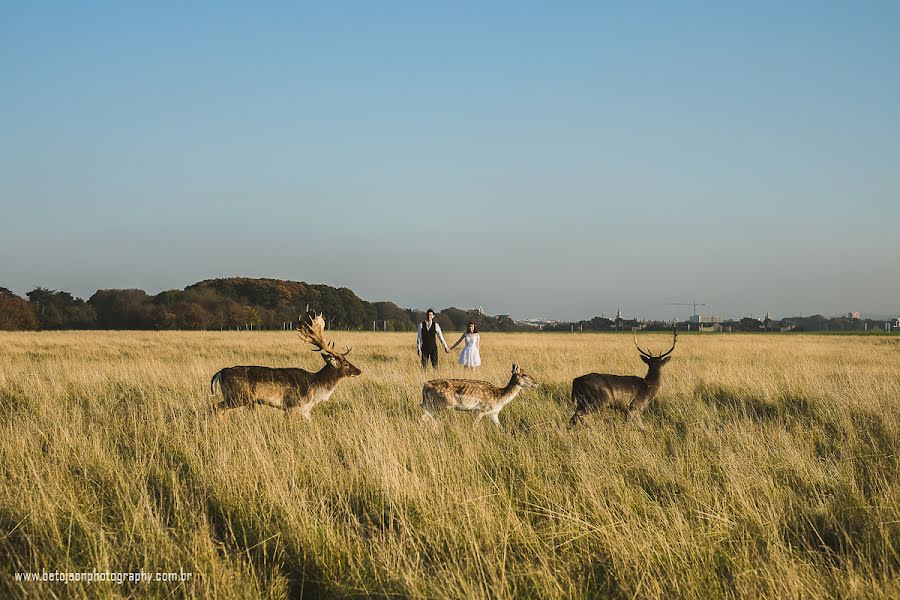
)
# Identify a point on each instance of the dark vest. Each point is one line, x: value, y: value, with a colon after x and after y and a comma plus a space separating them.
x: 429, y: 336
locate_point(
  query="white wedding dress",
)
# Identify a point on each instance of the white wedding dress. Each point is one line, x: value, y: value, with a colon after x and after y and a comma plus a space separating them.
x: 471, y: 354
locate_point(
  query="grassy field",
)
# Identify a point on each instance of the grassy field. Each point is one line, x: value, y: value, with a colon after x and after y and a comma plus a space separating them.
x: 769, y: 468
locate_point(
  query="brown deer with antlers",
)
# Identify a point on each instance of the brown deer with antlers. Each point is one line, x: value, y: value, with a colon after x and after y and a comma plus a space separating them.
x: 292, y: 390
x: 629, y: 394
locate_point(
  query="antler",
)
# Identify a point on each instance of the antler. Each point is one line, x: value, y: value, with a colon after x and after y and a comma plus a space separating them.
x: 314, y: 333
x: 644, y: 352
x: 674, y: 339
x: 664, y: 354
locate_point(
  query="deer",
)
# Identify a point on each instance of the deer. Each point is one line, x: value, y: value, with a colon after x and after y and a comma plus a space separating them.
x: 629, y: 394
x: 290, y: 389
x: 468, y: 394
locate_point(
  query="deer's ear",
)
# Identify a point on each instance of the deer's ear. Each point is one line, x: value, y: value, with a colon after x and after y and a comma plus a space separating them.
x: 329, y: 359
x: 515, y: 368
x: 645, y: 359
x: 665, y: 360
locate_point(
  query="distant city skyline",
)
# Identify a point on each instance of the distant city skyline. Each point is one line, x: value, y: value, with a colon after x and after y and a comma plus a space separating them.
x: 540, y: 160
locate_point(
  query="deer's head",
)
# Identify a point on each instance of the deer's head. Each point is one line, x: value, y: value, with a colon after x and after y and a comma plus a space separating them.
x: 656, y: 362
x: 314, y: 333
x: 521, y: 378
x: 341, y: 365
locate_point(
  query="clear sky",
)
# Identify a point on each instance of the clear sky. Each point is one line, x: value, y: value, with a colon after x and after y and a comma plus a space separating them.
x: 538, y: 159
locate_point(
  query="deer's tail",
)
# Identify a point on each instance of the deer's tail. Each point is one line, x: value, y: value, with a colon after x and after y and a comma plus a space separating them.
x: 578, y: 404
x: 216, y: 380
x: 576, y: 395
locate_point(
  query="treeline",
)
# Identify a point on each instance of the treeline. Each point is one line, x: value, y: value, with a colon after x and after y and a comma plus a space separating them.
x: 232, y: 303
x: 820, y: 323
x: 247, y: 303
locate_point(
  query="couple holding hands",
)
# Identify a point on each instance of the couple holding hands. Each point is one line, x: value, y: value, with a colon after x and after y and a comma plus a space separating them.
x: 430, y: 331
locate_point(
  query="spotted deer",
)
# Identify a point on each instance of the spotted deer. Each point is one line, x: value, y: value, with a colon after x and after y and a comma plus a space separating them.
x: 629, y: 394
x: 290, y: 389
x: 467, y: 394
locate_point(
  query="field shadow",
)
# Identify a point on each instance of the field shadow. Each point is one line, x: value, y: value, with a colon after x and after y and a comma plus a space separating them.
x: 845, y: 530
x: 659, y: 486
x: 601, y: 580
x: 735, y: 403
x: 380, y: 357
x: 874, y: 452
x: 14, y: 402
x: 260, y: 543
x: 239, y: 531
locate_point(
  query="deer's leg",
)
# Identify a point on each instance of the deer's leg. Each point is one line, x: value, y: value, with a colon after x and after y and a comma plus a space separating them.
x: 640, y: 403
x: 495, y: 417
x: 477, y: 420
x: 636, y: 408
x: 618, y: 404
x: 231, y: 399
x: 635, y: 415
x: 306, y: 410
x: 575, y: 418
x: 221, y: 409
x: 582, y: 407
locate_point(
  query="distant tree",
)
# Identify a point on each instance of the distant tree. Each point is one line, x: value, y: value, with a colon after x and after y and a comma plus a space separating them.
x: 357, y: 312
x: 127, y: 309
x: 233, y: 315
x: 169, y: 297
x: 396, y: 318
x: 15, y: 313
x: 818, y: 323
x: 60, y: 310
x: 190, y: 316
x: 748, y: 324
x: 226, y: 314
x: 80, y: 315
x: 601, y: 324
x: 504, y: 323
x: 458, y: 318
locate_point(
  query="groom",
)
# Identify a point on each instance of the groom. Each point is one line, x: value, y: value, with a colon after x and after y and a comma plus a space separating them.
x: 426, y: 342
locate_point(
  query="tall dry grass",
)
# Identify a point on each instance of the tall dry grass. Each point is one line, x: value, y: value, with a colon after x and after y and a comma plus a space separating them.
x: 769, y: 468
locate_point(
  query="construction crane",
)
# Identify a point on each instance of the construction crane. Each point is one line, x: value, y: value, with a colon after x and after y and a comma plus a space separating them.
x: 695, y: 304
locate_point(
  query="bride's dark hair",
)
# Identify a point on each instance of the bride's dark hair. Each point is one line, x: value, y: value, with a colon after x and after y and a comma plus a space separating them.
x: 474, y: 327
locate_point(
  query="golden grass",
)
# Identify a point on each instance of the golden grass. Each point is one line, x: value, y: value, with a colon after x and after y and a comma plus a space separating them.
x: 769, y: 468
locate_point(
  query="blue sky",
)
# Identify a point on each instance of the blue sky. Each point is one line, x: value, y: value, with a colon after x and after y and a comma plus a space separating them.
x: 539, y: 159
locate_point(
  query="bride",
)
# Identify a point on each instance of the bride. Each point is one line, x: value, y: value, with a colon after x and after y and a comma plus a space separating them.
x: 470, y: 357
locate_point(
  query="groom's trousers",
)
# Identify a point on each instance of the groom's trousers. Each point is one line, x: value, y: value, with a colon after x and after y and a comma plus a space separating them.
x: 429, y: 353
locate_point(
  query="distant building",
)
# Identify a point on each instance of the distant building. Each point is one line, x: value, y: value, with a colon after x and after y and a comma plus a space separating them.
x: 853, y: 315
x: 897, y: 323
x: 536, y: 322
x: 701, y: 319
